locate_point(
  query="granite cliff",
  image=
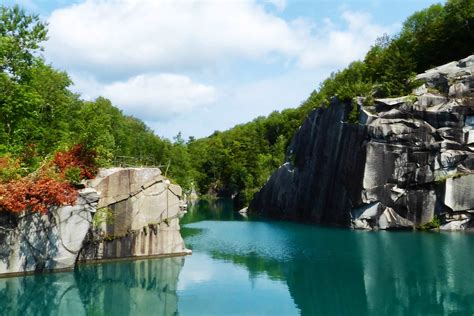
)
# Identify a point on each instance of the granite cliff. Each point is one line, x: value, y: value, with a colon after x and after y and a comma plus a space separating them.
x: 123, y: 212
x: 408, y: 162
x: 142, y: 215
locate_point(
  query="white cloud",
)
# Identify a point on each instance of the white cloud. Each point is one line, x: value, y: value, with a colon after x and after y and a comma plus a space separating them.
x: 129, y: 37
x: 151, y: 97
x: 241, y: 103
x: 336, y: 47
x: 164, y: 34
x: 142, y: 54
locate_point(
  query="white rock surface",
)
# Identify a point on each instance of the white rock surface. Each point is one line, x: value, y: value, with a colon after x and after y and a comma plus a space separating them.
x: 145, y: 210
x: 43, y: 242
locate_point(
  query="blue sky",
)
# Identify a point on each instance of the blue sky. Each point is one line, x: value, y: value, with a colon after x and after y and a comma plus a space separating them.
x: 200, y: 66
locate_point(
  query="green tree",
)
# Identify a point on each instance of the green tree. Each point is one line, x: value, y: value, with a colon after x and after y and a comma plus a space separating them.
x: 20, y: 38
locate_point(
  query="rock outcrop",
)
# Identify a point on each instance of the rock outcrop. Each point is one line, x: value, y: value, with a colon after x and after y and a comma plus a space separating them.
x: 409, y: 162
x: 123, y: 212
x: 138, y: 215
x: 35, y: 242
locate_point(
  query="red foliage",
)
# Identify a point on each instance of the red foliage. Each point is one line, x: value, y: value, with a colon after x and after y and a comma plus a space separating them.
x: 47, y: 188
x: 77, y: 156
x: 36, y: 195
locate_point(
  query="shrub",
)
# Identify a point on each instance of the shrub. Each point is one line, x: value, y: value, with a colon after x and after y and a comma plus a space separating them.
x: 77, y: 157
x: 35, y: 195
x: 51, y: 185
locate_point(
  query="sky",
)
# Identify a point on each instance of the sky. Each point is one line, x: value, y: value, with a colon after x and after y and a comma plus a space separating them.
x: 195, y: 67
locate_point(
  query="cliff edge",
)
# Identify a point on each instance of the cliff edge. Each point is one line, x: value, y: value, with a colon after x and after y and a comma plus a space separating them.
x: 122, y: 213
x: 408, y: 162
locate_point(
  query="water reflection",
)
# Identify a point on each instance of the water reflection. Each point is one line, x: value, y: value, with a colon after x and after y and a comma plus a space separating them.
x: 332, y: 271
x: 145, y: 287
x: 275, y: 268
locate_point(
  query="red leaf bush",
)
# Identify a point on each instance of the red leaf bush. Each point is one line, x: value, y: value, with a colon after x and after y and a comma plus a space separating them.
x: 48, y: 186
x: 36, y: 195
x: 77, y: 157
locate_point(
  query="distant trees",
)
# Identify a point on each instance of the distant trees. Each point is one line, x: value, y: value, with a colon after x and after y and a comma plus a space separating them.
x: 238, y: 161
x: 40, y: 116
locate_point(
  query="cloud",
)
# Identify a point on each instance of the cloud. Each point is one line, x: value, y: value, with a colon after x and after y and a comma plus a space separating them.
x: 129, y: 37
x: 162, y: 35
x: 152, y: 57
x: 241, y: 103
x: 334, y: 46
x: 151, y: 97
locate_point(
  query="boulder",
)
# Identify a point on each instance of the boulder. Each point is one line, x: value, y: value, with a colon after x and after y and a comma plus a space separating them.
x: 378, y: 216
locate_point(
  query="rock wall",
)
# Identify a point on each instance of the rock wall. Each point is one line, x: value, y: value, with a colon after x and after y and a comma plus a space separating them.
x: 35, y: 242
x: 122, y: 213
x: 142, y: 215
x: 408, y: 163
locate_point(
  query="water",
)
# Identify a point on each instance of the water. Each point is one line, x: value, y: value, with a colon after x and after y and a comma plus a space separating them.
x: 254, y: 267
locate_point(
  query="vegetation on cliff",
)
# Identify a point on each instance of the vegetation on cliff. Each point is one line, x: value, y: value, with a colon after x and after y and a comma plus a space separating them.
x: 238, y: 161
x: 40, y: 116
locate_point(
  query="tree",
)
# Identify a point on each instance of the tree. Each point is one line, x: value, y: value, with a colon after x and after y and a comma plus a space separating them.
x: 20, y: 38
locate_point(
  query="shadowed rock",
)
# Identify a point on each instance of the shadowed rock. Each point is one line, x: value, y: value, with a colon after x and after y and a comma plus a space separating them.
x: 408, y: 162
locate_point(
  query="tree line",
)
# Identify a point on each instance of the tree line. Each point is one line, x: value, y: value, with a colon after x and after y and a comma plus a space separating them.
x: 40, y: 115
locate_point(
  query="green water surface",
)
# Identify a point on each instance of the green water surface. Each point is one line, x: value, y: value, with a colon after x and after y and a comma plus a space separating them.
x: 242, y: 266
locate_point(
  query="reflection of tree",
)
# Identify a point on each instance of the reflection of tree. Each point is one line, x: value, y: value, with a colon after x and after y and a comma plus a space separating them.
x: 255, y: 264
x: 45, y: 294
x: 342, y: 272
x: 212, y: 209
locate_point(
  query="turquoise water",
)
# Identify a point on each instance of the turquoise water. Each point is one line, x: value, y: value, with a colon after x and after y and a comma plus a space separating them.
x: 254, y: 267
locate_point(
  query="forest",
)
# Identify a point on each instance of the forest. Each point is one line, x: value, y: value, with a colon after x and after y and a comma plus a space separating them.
x: 49, y: 135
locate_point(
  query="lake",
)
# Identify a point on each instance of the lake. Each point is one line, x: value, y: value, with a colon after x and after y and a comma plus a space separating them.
x: 243, y: 266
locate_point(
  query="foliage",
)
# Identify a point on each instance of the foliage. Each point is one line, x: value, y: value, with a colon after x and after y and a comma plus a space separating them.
x: 51, y: 185
x: 435, y: 223
x: 20, y: 35
x: 40, y: 116
x: 78, y: 157
x: 9, y: 169
x: 36, y: 195
x: 103, y: 215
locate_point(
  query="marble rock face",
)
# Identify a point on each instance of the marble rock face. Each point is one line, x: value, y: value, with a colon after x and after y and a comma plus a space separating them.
x: 409, y: 161
x: 124, y: 212
x: 35, y: 242
x: 142, y: 211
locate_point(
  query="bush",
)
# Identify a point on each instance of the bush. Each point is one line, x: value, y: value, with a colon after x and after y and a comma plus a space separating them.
x: 77, y: 157
x: 35, y: 195
x: 49, y: 186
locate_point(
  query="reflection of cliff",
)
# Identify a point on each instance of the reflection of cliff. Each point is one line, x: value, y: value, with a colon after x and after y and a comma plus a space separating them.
x: 145, y: 287
x: 42, y: 294
x: 339, y: 272
x: 388, y: 274
x: 405, y: 275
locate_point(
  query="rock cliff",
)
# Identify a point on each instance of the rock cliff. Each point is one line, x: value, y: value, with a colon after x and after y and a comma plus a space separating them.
x: 121, y: 213
x: 35, y: 242
x: 409, y: 162
x: 141, y: 211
